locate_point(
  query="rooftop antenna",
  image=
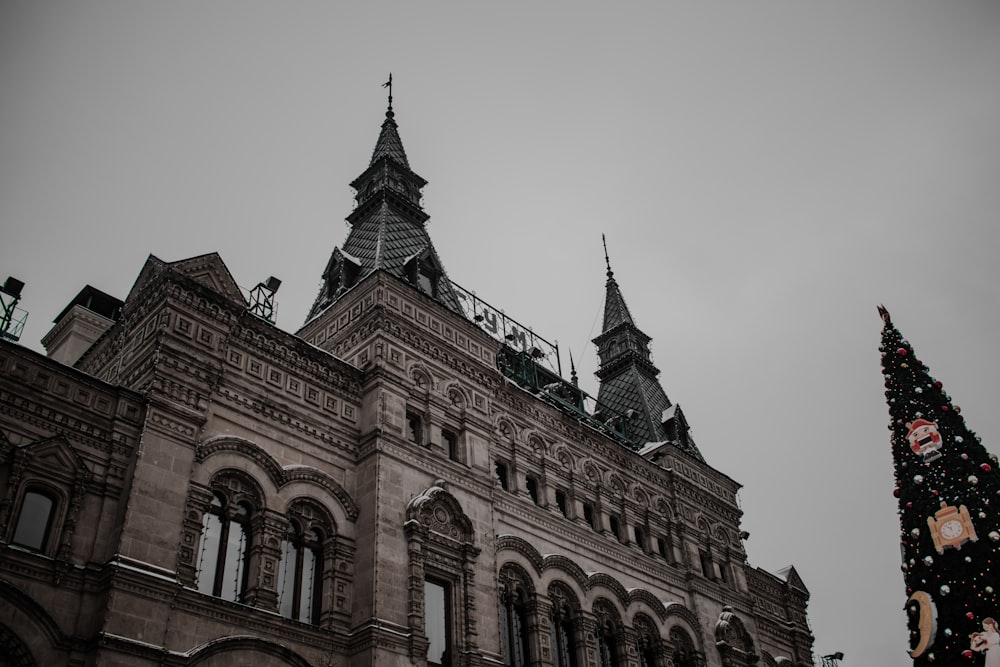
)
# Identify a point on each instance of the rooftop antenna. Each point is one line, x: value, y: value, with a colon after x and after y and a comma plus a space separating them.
x: 12, y: 318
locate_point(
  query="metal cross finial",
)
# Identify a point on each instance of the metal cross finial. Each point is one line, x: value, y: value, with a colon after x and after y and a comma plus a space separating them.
x: 388, y: 84
x: 607, y: 261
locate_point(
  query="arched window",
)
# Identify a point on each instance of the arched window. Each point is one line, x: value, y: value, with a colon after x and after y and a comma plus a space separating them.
x: 513, y: 619
x: 647, y: 641
x: 300, y: 581
x: 34, y: 520
x: 607, y: 635
x: 683, y: 649
x: 225, y: 533
x: 563, y: 627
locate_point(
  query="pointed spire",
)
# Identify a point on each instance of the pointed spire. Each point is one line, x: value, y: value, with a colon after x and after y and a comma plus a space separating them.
x: 948, y: 487
x: 615, y: 310
x: 389, y: 144
x: 629, y: 389
x: 388, y: 228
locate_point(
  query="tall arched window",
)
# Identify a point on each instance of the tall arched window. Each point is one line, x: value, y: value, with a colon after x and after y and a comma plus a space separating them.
x: 563, y: 627
x: 513, y: 619
x: 683, y: 649
x: 607, y: 634
x: 300, y: 581
x: 34, y: 520
x: 647, y: 641
x: 225, y: 533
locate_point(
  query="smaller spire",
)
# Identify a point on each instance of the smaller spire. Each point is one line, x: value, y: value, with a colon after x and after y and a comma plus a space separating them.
x: 884, y: 314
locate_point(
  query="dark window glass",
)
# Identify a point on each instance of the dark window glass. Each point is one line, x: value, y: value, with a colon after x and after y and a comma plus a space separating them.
x: 561, y: 503
x: 413, y: 428
x: 513, y: 629
x: 607, y: 647
x: 436, y: 622
x: 501, y: 472
x: 640, y: 537
x: 563, y: 642
x: 616, y: 527
x: 33, y: 522
x: 532, y: 485
x: 661, y: 547
x: 706, y: 565
x: 450, y: 443
x: 588, y: 515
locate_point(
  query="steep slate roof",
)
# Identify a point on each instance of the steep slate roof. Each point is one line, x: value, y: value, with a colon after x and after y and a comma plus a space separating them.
x: 629, y: 390
x: 388, y: 229
x: 389, y: 144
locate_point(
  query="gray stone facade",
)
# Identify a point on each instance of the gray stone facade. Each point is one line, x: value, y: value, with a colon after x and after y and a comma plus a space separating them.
x: 383, y: 441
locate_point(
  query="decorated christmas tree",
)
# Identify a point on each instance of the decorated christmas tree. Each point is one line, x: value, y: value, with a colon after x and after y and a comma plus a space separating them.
x: 948, y: 487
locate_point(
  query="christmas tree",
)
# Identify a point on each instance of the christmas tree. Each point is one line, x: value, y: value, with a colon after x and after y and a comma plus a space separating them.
x: 948, y: 488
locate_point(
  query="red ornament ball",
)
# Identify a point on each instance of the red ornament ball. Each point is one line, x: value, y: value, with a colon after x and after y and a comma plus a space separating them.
x: 967, y: 654
x: 986, y: 467
x: 969, y: 615
x: 895, y: 492
x: 937, y: 383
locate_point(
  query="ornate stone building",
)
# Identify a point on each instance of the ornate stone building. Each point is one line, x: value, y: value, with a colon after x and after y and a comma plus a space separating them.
x: 407, y: 480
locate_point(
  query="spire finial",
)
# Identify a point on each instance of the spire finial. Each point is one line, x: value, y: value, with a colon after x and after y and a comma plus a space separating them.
x: 884, y: 314
x: 607, y: 262
x: 388, y: 84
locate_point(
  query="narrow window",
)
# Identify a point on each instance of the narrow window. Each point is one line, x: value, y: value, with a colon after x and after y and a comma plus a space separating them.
x: 616, y: 528
x: 501, y: 472
x: 514, y: 629
x: 706, y: 565
x: 437, y: 619
x: 33, y: 521
x: 561, y: 503
x: 640, y: 537
x: 223, y: 549
x: 563, y: 640
x: 661, y: 547
x: 607, y: 646
x: 450, y: 443
x: 588, y: 515
x: 299, y: 581
x: 413, y: 427
x: 531, y: 484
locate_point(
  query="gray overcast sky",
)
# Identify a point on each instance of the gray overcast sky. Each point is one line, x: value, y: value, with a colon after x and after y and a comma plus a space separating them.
x: 766, y: 173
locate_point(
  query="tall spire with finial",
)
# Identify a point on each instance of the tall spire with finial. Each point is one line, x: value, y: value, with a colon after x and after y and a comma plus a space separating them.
x: 628, y: 377
x: 388, y: 228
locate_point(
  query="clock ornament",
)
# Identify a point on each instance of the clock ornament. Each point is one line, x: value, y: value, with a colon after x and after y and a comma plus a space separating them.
x: 951, y: 527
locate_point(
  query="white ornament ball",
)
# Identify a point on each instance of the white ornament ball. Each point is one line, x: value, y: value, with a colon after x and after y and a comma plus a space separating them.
x: 928, y: 560
x: 919, y: 479
x: 958, y: 439
x: 915, y: 532
x: 994, y: 535
x: 945, y: 589
x: 973, y: 479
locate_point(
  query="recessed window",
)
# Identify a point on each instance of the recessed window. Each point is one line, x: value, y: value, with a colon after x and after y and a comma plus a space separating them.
x: 414, y: 429
x: 616, y: 527
x: 707, y: 568
x: 661, y: 547
x: 501, y: 473
x: 299, y: 578
x: 450, y: 442
x: 437, y: 617
x: 222, y: 553
x: 34, y: 520
x: 561, y: 503
x: 531, y: 484
x: 640, y: 537
x: 588, y: 515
